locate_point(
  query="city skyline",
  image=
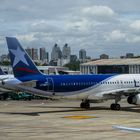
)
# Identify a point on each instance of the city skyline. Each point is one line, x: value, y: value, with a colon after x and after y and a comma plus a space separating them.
x: 98, y: 26
x: 65, y: 53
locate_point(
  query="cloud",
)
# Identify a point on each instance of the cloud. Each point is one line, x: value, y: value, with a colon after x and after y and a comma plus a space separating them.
x: 135, y: 25
x: 46, y: 26
x: 95, y: 25
x: 133, y: 39
x: 81, y: 25
x: 26, y: 37
x: 115, y: 35
x: 98, y: 11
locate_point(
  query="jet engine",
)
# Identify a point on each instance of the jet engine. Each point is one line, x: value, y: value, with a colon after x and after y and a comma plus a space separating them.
x: 134, y: 99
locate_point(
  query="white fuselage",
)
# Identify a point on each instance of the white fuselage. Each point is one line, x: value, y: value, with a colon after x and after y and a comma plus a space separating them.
x: 110, y: 86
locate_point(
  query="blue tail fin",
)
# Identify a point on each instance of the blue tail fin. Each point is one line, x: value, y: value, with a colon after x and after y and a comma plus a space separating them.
x: 21, y: 62
x: 1, y: 72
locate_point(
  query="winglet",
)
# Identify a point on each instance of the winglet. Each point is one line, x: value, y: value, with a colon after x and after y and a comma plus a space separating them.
x: 21, y: 62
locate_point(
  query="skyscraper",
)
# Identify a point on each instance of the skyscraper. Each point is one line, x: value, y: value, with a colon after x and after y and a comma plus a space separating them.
x: 82, y: 54
x: 56, y: 53
x: 73, y: 58
x: 34, y: 54
x: 47, y: 56
x: 44, y: 55
x: 66, y: 52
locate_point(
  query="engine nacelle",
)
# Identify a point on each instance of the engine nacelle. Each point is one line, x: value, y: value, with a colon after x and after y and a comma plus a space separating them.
x: 134, y: 99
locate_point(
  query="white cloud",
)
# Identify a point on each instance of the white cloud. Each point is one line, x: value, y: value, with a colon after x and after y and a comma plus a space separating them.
x: 115, y: 35
x: 93, y: 24
x: 26, y: 37
x: 121, y: 37
x: 135, y: 25
x: 98, y: 11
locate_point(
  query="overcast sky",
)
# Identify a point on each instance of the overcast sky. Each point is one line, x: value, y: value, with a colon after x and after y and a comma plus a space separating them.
x: 98, y: 26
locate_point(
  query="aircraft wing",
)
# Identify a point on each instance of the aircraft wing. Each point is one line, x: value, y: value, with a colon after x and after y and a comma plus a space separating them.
x: 27, y: 87
x: 32, y: 90
x: 120, y: 92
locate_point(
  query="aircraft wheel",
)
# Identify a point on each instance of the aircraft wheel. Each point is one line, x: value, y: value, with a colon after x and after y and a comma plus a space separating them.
x: 82, y: 105
x: 115, y: 106
x: 112, y: 106
x: 85, y: 105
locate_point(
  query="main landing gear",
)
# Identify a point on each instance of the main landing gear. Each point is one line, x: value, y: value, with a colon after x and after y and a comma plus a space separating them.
x: 116, y: 106
x: 85, y: 104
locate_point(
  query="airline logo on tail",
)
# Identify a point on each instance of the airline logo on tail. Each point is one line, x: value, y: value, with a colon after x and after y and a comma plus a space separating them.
x: 19, y: 56
x: 21, y: 62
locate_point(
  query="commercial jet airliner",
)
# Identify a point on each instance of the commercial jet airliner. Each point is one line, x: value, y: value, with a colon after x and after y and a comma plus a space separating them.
x: 87, y: 88
x: 3, y: 77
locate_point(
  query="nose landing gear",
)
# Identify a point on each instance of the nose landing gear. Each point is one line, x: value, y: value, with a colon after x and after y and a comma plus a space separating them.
x: 85, y: 104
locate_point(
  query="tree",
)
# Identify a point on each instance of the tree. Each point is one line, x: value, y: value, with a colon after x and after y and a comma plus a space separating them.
x: 6, y: 63
x: 73, y: 65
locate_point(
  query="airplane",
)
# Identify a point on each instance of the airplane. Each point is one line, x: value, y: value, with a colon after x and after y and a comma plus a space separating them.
x: 3, y: 77
x: 90, y: 88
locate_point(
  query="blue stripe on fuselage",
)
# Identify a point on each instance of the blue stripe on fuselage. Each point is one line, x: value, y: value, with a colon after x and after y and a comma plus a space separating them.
x: 66, y: 83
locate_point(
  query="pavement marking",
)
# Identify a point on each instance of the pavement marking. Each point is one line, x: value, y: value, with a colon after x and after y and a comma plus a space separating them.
x: 80, y: 117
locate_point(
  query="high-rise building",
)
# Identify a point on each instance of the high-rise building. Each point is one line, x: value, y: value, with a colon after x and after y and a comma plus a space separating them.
x: 82, y: 54
x: 47, y: 56
x: 34, y: 54
x: 73, y: 58
x: 66, y: 51
x: 43, y: 54
x: 29, y: 51
x: 56, y: 53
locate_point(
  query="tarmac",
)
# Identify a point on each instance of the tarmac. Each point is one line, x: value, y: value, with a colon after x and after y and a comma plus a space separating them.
x: 65, y: 120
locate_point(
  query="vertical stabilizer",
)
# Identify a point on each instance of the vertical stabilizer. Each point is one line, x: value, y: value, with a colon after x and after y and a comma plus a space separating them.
x: 21, y: 62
